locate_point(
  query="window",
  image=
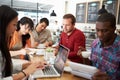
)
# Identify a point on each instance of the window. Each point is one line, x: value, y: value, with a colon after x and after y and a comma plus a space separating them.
x: 80, y: 12
x: 111, y: 6
x: 92, y: 13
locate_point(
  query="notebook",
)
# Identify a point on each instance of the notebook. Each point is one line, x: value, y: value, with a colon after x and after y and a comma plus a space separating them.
x: 57, y: 68
x: 82, y: 70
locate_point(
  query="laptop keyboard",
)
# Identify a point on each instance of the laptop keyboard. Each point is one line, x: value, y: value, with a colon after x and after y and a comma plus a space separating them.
x: 49, y: 71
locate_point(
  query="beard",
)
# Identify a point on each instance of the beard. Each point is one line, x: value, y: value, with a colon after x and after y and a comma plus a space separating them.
x: 68, y: 31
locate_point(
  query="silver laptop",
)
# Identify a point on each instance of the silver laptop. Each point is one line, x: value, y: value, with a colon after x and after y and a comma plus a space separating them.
x: 57, y: 68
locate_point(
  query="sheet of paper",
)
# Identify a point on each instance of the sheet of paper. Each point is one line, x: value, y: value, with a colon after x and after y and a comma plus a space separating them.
x: 82, y: 68
x: 77, y: 73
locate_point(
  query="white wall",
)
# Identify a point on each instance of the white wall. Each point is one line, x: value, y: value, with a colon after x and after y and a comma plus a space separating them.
x: 59, y: 9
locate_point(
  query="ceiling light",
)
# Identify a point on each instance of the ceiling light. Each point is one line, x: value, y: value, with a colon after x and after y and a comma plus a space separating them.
x: 53, y: 13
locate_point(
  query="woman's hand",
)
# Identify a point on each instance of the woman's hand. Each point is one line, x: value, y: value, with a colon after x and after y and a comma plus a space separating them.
x: 34, y: 66
x: 100, y: 76
x: 43, y: 64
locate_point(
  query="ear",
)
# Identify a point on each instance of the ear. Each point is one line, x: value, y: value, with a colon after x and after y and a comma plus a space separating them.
x: 114, y: 28
x: 20, y: 25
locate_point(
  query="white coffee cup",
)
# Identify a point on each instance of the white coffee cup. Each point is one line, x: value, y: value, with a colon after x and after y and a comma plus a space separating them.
x: 86, y: 54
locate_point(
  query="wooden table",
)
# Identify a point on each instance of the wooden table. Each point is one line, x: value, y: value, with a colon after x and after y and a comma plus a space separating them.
x: 65, y: 76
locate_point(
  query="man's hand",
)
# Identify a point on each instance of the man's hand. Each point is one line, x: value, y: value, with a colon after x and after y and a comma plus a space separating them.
x: 80, y: 50
x: 100, y: 76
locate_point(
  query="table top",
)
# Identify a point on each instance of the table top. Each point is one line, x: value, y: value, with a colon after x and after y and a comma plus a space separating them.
x: 65, y: 76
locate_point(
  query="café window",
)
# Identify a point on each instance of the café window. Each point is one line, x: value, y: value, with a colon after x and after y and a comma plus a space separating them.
x: 111, y: 6
x: 80, y: 12
x: 92, y: 13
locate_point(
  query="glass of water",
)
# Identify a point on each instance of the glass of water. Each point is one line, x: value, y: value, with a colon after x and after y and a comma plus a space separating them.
x: 49, y: 56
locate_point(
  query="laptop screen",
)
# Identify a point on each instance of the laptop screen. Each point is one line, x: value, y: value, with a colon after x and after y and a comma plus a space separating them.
x: 61, y: 58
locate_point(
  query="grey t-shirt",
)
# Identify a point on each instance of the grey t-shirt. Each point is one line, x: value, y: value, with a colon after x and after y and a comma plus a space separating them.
x: 43, y: 36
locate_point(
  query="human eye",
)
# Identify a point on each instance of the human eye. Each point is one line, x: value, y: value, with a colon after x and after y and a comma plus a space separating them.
x: 104, y: 30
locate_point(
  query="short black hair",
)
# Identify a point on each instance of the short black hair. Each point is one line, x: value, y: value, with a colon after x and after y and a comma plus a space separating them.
x: 102, y: 10
x: 107, y: 17
x: 44, y: 20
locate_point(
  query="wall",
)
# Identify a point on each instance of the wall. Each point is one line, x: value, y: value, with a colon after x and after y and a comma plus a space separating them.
x: 59, y: 8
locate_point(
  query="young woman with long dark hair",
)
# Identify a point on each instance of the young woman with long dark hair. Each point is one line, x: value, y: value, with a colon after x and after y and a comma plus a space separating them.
x: 8, y: 22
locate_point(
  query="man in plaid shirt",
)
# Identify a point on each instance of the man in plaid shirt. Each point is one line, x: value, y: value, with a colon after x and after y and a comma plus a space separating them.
x: 106, y: 49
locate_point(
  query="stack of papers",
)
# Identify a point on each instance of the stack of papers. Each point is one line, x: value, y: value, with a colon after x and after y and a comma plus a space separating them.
x: 82, y: 70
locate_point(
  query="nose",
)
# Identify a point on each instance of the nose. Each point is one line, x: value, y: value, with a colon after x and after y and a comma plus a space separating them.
x: 64, y: 26
x: 43, y: 28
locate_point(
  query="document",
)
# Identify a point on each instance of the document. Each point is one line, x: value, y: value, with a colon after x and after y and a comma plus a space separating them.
x: 82, y: 70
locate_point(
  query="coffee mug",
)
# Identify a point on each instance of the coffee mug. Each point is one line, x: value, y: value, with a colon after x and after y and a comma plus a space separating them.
x: 86, y: 54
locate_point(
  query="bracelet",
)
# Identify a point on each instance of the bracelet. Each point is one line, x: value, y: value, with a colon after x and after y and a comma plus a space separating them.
x: 24, y: 73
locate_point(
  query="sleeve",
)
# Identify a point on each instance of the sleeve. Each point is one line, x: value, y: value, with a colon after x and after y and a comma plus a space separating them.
x: 17, y: 65
x: 79, y: 41
x: 92, y: 57
x: 92, y: 49
x: 49, y: 36
x: 7, y: 78
x: 35, y: 35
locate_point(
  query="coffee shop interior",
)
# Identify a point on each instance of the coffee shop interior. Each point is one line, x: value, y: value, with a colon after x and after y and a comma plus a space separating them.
x: 85, y: 11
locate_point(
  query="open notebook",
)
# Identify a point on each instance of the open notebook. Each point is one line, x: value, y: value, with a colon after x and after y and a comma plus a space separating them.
x: 57, y: 68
